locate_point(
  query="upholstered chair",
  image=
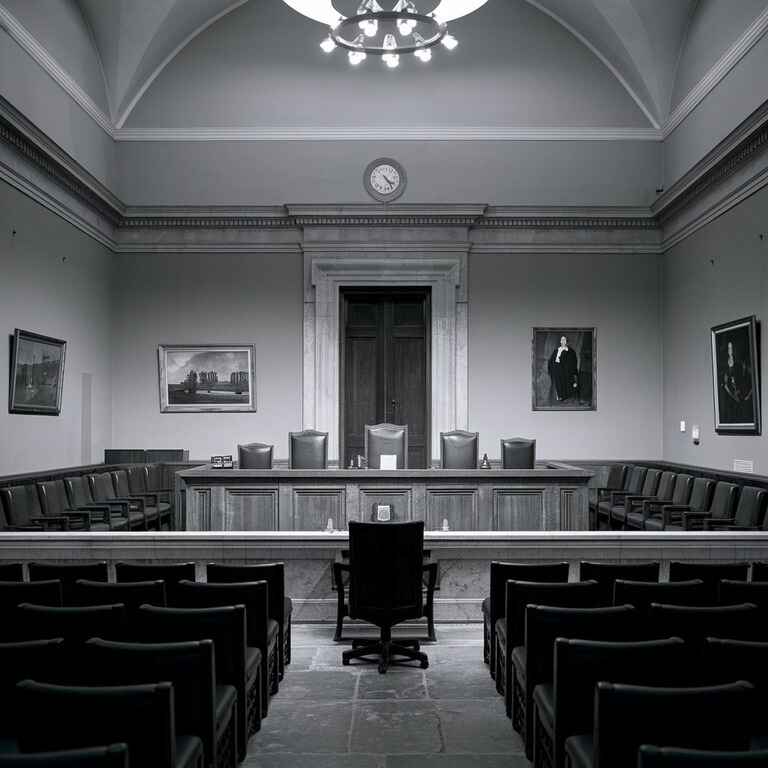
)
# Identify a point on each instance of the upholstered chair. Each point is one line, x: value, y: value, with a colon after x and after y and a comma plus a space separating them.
x: 308, y: 449
x: 459, y: 449
x: 255, y: 456
x: 386, y: 439
x: 518, y: 453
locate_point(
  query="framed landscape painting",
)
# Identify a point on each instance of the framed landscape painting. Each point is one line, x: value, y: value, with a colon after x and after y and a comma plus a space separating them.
x: 564, y: 374
x: 736, y: 378
x: 207, y: 377
x: 37, y: 374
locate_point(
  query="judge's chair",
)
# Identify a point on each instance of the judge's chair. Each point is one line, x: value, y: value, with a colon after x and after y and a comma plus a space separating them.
x: 386, y: 588
x: 386, y: 439
x: 458, y: 449
x: 254, y: 456
x: 308, y: 450
x: 518, y: 453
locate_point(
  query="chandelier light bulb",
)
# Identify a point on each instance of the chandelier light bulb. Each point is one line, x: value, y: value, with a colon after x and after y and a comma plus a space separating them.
x: 370, y: 27
x: 328, y: 45
x: 392, y: 60
x: 406, y: 26
x: 355, y: 57
x: 423, y: 54
x: 450, y: 42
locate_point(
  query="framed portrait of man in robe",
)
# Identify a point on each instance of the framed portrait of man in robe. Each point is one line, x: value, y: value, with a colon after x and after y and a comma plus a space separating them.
x: 564, y: 374
x: 736, y: 378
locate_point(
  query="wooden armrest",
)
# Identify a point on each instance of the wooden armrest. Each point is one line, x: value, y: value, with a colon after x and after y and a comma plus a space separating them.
x: 431, y: 570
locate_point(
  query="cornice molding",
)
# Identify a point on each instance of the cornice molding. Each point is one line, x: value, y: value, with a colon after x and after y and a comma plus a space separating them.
x: 425, y: 133
x: 18, y: 32
x: 751, y: 36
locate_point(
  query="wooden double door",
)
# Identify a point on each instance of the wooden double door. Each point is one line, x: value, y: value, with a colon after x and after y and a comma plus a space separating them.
x: 385, y: 361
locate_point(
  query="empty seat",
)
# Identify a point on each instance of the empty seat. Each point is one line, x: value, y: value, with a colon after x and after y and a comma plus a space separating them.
x: 55, y: 503
x: 79, y: 495
x: 131, y: 594
x: 670, y: 514
x: 619, y: 508
x: 103, y: 492
x: 732, y: 592
x: 626, y: 716
x: 709, y: 573
x: 681, y: 493
x: 494, y: 606
x: 533, y: 662
x: 509, y: 632
x: 170, y: 573
x: 633, y: 485
x: 726, y: 660
x: 201, y: 706
x: 459, y: 449
x: 113, y: 756
x: 11, y: 572
x: 749, y: 514
x: 254, y: 456
x: 641, y: 594
x: 662, y: 495
x: 21, y: 504
x: 280, y: 604
x: 13, y: 593
x: 226, y: 626
x: 669, y: 757
x: 605, y: 574
x: 308, y: 449
x: 386, y: 439
x: 68, y: 574
x: 614, y: 482
x: 518, y: 453
x: 759, y: 572
x: 56, y: 717
x: 149, y: 500
x: 565, y: 707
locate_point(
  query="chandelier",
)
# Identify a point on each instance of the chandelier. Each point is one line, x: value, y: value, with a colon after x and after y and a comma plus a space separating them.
x: 389, y: 34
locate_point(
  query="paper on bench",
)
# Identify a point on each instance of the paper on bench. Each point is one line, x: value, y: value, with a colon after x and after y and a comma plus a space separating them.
x: 388, y: 461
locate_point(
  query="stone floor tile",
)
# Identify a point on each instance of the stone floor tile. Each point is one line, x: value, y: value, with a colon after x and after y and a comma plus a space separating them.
x: 317, y: 685
x: 460, y: 680
x: 397, y: 683
x: 456, y: 761
x: 301, y: 658
x: 477, y: 726
x: 317, y: 761
x: 392, y: 727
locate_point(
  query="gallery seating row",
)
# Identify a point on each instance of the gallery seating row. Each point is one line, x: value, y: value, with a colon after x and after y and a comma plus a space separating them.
x: 636, y: 497
x: 559, y: 647
x: 124, y: 499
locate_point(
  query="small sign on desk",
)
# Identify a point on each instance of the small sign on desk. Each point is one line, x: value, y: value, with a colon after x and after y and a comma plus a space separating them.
x: 388, y: 461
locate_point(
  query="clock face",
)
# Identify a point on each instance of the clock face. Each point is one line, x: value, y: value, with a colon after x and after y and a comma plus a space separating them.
x: 384, y: 179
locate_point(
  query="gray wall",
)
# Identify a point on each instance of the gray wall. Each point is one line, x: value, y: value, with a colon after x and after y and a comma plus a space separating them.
x: 207, y: 299
x: 55, y: 281
x: 618, y: 295
x: 718, y: 275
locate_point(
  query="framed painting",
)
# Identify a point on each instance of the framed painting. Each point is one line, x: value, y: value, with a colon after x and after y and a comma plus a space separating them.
x: 736, y: 377
x: 37, y: 374
x: 207, y: 377
x: 564, y: 374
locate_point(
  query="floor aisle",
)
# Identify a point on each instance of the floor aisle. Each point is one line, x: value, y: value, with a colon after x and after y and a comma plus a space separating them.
x: 327, y: 715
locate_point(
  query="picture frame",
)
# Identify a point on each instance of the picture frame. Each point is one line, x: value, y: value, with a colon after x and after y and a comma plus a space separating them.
x: 564, y: 379
x: 736, y: 377
x: 36, y: 374
x: 207, y: 378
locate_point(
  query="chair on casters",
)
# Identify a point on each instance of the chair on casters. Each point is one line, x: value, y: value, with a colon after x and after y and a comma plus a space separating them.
x: 386, y: 587
x: 386, y: 439
x: 518, y: 453
x: 458, y: 449
x: 254, y: 456
x: 308, y: 450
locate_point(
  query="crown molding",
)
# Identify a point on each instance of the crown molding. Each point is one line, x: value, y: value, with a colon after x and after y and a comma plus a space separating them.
x: 18, y: 32
x: 425, y: 133
x: 743, y: 45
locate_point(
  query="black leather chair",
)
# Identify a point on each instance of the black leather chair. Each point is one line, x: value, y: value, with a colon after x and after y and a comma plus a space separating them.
x: 700, y: 506
x: 79, y: 495
x: 509, y: 632
x: 386, y: 566
x: 459, y: 449
x: 749, y: 515
x: 721, y: 509
x: 261, y: 632
x: 113, y: 756
x: 733, y: 592
x: 386, y: 439
x: 759, y: 571
x: 18, y: 661
x: 619, y: 508
x: 280, y: 605
x: 54, y: 503
x: 641, y: 593
x: 103, y: 491
x: 728, y: 660
x: 254, y: 456
x: 21, y: 505
x: 626, y: 716
x: 308, y: 449
x: 494, y: 606
x: 132, y: 594
x: 56, y: 717
x: 13, y: 593
x: 681, y: 494
x: 227, y: 628
x: 633, y: 485
x: 533, y: 661
x: 202, y: 707
x: 151, y: 504
x: 68, y: 574
x: 663, y: 495
x: 170, y: 573
x: 565, y: 707
x: 605, y: 574
x: 518, y: 453
x: 709, y: 573
x: 669, y: 757
x: 162, y: 498
x: 11, y: 572
x: 617, y: 476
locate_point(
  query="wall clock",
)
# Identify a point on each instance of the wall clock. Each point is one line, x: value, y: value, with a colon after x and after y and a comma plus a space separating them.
x: 384, y: 179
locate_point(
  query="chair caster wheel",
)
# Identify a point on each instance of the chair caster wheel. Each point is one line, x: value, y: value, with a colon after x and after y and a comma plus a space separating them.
x: 424, y: 664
